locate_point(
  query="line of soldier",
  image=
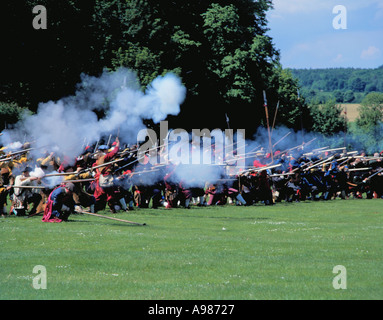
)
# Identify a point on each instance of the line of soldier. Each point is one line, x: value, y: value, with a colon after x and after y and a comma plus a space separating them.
x: 115, y: 178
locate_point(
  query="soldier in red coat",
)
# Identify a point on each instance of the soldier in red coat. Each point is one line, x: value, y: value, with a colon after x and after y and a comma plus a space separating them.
x: 106, y: 191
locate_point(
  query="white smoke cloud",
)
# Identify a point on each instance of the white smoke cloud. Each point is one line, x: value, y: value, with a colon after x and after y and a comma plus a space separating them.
x: 66, y: 123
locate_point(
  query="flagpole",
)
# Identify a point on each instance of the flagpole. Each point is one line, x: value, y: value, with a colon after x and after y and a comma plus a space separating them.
x: 275, y: 117
x: 301, y: 114
x: 345, y: 126
x: 268, y: 126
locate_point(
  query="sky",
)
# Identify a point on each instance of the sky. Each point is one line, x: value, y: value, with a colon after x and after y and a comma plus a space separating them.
x: 304, y: 33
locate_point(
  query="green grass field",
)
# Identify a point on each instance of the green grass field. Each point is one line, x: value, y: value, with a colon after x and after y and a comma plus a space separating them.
x: 286, y: 251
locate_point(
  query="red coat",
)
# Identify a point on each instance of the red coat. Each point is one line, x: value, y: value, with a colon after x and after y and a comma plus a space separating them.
x: 99, y: 192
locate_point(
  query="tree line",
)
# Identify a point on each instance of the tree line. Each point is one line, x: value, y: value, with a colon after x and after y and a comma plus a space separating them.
x: 345, y: 85
x: 220, y: 49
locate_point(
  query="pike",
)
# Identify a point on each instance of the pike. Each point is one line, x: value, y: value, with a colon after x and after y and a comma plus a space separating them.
x: 111, y: 218
x: 275, y: 117
x: 268, y: 126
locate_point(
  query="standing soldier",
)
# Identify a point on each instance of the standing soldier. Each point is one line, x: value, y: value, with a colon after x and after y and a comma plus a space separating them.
x: 106, y: 191
x: 22, y: 197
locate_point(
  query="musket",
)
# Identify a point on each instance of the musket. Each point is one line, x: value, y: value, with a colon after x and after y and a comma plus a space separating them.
x: 307, y: 143
x: 6, y: 159
x: 110, y: 137
x: 319, y: 149
x: 59, y: 174
x: 315, y: 151
x: 262, y: 168
x: 83, y: 144
x: 252, y: 150
x: 154, y: 148
x: 330, y: 150
x: 17, y: 152
x: 348, y: 158
x: 322, y: 162
x: 369, y: 158
x: 26, y: 187
x: 101, y: 165
x: 76, y: 181
x: 144, y: 171
x: 373, y: 175
x: 359, y: 169
x: 300, y: 146
x: 111, y: 218
x: 126, y: 165
x: 281, y: 139
x: 282, y: 174
x: 96, y: 146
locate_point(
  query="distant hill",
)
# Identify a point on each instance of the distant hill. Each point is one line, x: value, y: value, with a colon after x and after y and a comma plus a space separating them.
x: 345, y: 85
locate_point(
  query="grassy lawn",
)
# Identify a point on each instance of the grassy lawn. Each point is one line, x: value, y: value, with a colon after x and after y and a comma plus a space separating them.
x: 286, y: 251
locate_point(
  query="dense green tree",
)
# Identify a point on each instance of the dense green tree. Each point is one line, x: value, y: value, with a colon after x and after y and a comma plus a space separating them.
x: 357, y: 85
x: 338, y: 95
x: 10, y: 113
x: 367, y: 131
x: 326, y: 82
x: 45, y: 64
x: 328, y: 118
x: 348, y: 96
x: 220, y: 50
x: 371, y: 111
